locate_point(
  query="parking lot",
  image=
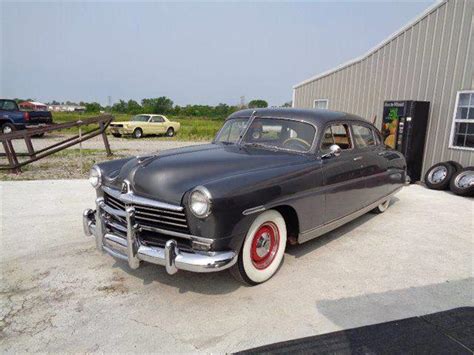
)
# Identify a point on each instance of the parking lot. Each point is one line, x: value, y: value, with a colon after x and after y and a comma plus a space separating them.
x: 58, y: 293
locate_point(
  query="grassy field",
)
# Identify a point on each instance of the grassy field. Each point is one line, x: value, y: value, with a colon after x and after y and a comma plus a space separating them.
x: 192, y: 128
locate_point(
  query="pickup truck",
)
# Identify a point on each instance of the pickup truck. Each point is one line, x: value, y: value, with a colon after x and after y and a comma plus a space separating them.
x: 12, y: 118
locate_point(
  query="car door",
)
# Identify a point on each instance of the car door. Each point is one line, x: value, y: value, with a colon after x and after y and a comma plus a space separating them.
x: 369, y: 146
x: 157, y: 125
x: 342, y: 175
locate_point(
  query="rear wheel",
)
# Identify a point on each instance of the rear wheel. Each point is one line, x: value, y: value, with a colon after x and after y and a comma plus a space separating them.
x: 382, y: 207
x: 137, y: 133
x: 170, y: 132
x: 7, y: 128
x: 462, y: 183
x: 457, y: 167
x: 438, y: 176
x: 263, y: 249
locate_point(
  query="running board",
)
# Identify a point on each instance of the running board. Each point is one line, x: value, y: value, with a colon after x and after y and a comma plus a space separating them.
x: 325, y: 228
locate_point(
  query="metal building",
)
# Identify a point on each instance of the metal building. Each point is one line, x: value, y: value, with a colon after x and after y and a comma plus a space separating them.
x: 430, y: 59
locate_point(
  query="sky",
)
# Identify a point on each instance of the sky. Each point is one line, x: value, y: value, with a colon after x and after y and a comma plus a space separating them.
x: 194, y: 53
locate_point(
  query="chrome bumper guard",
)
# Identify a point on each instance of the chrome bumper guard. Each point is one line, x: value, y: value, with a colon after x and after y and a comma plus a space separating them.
x: 131, y: 250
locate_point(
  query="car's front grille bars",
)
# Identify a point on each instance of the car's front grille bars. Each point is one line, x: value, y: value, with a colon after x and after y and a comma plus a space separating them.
x: 152, y: 216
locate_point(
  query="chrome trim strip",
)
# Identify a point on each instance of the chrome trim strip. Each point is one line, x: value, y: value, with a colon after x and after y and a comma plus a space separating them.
x: 116, y: 239
x: 157, y: 220
x: 131, y: 198
x: 253, y: 210
x: 117, y: 226
x: 325, y: 228
x: 111, y: 210
x: 177, y: 234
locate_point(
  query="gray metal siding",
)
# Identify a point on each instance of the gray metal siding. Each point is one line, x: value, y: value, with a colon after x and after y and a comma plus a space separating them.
x: 430, y: 61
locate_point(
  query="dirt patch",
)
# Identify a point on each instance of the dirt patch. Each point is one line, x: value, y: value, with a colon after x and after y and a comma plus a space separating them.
x: 67, y: 164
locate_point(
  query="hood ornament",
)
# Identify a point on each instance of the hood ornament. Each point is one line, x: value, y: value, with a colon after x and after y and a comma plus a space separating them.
x: 125, y: 187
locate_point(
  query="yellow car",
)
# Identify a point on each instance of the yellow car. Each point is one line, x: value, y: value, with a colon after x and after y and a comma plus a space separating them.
x: 141, y: 125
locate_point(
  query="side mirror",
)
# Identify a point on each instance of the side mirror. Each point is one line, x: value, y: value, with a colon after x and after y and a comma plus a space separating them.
x: 334, y: 151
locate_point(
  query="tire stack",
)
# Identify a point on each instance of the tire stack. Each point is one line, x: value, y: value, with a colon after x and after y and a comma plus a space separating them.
x: 451, y: 175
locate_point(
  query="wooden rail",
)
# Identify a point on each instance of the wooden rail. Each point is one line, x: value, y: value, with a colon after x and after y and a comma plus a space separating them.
x: 14, y: 165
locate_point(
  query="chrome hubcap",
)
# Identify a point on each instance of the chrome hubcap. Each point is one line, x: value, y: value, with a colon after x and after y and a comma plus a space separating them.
x: 465, y: 180
x: 263, y: 245
x: 7, y: 130
x: 437, y: 175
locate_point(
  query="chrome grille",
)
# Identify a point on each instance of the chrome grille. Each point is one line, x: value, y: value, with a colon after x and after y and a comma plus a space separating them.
x: 151, y: 216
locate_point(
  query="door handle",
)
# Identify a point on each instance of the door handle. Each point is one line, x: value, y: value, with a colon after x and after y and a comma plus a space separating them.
x: 358, y: 158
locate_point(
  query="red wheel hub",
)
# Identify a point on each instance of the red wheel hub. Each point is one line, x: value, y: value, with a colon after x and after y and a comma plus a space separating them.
x: 265, y: 245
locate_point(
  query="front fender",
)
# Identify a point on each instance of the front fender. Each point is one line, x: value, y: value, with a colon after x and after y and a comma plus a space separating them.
x: 232, y: 196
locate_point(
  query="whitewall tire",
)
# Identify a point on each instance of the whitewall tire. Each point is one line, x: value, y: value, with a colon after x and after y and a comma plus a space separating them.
x: 263, y: 249
x: 382, y: 207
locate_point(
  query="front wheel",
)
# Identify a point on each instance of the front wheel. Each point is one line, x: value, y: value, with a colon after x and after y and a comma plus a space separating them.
x: 263, y: 249
x: 137, y: 133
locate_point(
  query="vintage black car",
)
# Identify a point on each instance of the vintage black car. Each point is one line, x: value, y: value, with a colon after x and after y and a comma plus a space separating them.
x: 270, y: 177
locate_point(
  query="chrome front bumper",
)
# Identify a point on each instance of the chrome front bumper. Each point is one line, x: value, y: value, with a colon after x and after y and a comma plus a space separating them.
x: 133, y: 252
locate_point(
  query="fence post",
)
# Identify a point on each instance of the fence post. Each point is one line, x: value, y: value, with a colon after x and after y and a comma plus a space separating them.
x: 80, y: 145
x: 29, y: 146
x: 106, y: 140
x: 11, y: 155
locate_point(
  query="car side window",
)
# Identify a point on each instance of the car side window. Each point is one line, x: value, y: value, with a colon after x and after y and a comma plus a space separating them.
x: 336, y: 134
x: 7, y: 105
x: 363, y: 136
x: 157, y: 119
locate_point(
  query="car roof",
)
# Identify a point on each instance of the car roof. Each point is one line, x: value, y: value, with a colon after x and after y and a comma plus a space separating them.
x: 318, y: 117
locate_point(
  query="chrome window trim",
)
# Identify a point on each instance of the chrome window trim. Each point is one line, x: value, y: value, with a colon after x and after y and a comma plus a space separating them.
x: 349, y: 126
x: 369, y: 127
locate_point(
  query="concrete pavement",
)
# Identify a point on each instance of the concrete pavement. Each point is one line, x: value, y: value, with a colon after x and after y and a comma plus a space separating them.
x: 59, y: 294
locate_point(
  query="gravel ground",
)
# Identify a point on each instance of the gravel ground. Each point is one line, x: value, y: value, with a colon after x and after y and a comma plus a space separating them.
x: 70, y: 164
x: 59, y: 294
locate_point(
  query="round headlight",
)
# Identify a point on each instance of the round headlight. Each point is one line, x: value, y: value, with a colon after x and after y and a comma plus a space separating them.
x: 200, y: 202
x: 95, y: 177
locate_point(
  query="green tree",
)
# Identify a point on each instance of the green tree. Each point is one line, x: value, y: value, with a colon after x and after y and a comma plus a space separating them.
x: 120, y: 107
x: 287, y: 104
x: 133, y: 107
x: 93, y: 107
x: 159, y: 105
x: 258, y: 103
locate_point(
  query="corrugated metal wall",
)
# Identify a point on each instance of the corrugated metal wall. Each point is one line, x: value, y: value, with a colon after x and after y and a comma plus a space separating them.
x: 429, y: 61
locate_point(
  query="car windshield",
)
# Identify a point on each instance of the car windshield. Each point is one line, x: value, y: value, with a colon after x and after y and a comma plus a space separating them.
x: 270, y: 133
x: 140, y: 118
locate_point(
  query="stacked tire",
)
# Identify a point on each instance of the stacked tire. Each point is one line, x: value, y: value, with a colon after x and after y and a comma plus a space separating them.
x: 451, y: 175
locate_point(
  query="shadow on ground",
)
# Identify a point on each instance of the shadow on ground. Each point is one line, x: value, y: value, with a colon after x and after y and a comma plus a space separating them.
x: 413, y: 301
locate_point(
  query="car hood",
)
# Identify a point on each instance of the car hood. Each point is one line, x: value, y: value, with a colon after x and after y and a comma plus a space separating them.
x: 167, y: 176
